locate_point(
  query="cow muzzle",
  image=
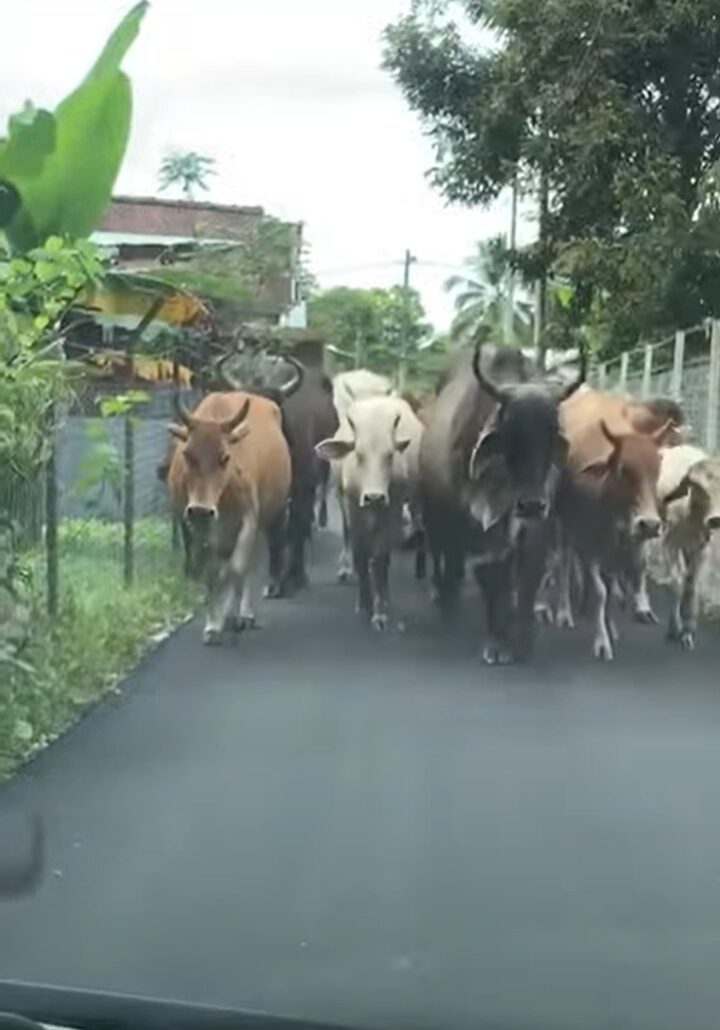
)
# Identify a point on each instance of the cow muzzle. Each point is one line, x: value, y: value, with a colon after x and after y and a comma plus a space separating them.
x: 369, y: 499
x: 200, y: 513
x: 712, y: 522
x: 531, y: 508
x: 647, y: 528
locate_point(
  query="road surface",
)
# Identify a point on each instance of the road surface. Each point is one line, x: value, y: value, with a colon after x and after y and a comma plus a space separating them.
x: 381, y: 832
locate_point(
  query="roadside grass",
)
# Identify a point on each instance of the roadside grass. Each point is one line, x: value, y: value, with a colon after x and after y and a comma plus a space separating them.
x: 100, y: 633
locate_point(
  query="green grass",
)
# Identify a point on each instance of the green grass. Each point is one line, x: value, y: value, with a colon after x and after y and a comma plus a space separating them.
x: 100, y: 633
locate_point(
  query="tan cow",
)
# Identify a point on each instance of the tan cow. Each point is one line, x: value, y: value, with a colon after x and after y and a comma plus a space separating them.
x: 229, y: 480
x: 689, y: 491
x: 607, y: 503
x: 377, y: 448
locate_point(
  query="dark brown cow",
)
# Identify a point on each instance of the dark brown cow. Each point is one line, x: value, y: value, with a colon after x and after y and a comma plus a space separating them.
x: 607, y: 501
x: 229, y: 481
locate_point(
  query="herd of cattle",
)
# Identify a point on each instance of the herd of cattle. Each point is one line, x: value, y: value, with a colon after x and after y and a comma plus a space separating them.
x: 551, y: 489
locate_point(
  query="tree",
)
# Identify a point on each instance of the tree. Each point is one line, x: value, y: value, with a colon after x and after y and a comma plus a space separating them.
x: 617, y: 107
x: 186, y: 169
x: 374, y: 328
x: 481, y: 296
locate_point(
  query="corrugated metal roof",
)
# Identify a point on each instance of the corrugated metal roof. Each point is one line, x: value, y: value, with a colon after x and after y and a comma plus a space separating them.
x: 128, y: 239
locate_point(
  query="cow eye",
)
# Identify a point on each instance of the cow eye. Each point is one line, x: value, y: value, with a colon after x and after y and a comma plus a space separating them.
x: 224, y: 459
x: 360, y: 458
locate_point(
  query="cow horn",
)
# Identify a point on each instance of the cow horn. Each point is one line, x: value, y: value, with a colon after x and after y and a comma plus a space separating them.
x: 568, y: 391
x: 487, y: 384
x: 182, y: 412
x: 232, y: 423
x: 288, y: 389
x: 659, y: 434
x: 612, y: 438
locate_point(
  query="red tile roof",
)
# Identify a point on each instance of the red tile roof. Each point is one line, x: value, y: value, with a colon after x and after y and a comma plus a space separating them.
x: 148, y: 215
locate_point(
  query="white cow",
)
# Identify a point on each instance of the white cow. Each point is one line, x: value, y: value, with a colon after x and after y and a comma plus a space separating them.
x: 377, y: 446
x: 689, y: 489
x: 349, y: 387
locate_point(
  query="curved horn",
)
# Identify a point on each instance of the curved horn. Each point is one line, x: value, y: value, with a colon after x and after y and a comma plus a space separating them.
x: 487, y: 384
x: 232, y: 423
x: 294, y: 385
x: 568, y: 391
x: 659, y: 434
x: 182, y: 412
x: 611, y: 438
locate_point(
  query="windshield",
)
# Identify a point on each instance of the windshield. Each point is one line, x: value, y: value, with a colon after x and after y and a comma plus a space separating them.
x: 359, y: 494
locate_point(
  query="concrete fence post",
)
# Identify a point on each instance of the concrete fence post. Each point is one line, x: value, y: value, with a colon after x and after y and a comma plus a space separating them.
x: 624, y: 366
x: 602, y: 375
x: 647, y: 370
x: 676, y: 382
x: 713, y: 394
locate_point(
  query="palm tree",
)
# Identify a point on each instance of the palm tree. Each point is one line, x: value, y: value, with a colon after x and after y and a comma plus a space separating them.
x: 481, y: 296
x: 187, y: 169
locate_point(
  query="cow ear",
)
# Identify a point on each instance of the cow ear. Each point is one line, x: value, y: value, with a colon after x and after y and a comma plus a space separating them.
x: 334, y: 449
x: 180, y: 432
x: 239, y: 433
x: 402, y: 445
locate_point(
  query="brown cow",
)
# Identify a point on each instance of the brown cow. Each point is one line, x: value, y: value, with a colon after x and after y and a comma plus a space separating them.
x: 607, y: 502
x: 229, y: 480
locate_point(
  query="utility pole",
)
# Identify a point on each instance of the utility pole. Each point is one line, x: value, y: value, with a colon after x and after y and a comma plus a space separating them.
x: 541, y: 284
x: 509, y: 332
x: 405, y: 342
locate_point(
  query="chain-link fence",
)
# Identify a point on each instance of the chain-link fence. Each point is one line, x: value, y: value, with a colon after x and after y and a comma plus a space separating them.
x: 98, y: 515
x: 685, y: 367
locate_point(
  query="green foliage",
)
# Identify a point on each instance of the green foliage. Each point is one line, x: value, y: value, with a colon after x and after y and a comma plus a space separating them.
x: 372, y: 328
x: 617, y: 105
x: 481, y: 297
x: 186, y: 169
x: 57, y: 170
x: 237, y: 274
x: 100, y: 633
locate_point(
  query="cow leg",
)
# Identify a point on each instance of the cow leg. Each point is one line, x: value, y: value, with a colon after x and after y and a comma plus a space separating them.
x: 689, y: 605
x: 602, y: 644
x: 299, y: 532
x: 324, y: 480
x: 228, y: 581
x: 379, y: 581
x: 345, y: 564
x: 421, y: 556
x: 361, y: 562
x: 565, y: 618
x: 493, y: 579
x: 530, y: 565
x: 277, y: 535
x: 452, y: 577
x: 636, y: 573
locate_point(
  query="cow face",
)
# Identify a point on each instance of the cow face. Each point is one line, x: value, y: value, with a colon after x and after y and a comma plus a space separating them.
x: 631, y: 475
x: 207, y: 454
x: 371, y: 439
x: 524, y: 435
x: 702, y: 484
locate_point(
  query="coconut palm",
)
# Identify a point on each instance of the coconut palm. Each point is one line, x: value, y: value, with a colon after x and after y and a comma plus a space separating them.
x: 187, y: 169
x: 481, y: 296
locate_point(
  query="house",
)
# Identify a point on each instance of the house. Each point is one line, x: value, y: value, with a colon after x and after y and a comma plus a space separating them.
x: 153, y: 235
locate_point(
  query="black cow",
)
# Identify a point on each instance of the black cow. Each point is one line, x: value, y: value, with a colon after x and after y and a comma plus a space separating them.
x: 489, y: 463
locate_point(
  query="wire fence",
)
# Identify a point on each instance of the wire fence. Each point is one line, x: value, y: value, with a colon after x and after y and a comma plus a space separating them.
x: 685, y: 367
x: 97, y: 517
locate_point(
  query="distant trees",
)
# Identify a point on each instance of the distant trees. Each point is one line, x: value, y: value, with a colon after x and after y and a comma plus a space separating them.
x: 481, y: 296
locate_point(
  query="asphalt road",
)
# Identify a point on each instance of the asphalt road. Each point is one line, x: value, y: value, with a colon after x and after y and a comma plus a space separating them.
x: 379, y: 831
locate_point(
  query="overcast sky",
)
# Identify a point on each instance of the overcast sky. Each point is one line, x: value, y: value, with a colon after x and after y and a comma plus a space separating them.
x: 289, y: 98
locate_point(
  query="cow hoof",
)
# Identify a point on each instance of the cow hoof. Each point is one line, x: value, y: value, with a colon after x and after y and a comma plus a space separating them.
x: 565, y: 620
x: 603, y: 651
x: 380, y: 623
x: 212, y: 636
x: 273, y: 591
x: 344, y: 576
x: 494, y: 655
x: 646, y: 617
x: 687, y: 640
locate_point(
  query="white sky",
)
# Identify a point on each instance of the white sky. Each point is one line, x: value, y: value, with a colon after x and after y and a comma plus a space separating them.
x: 288, y: 96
